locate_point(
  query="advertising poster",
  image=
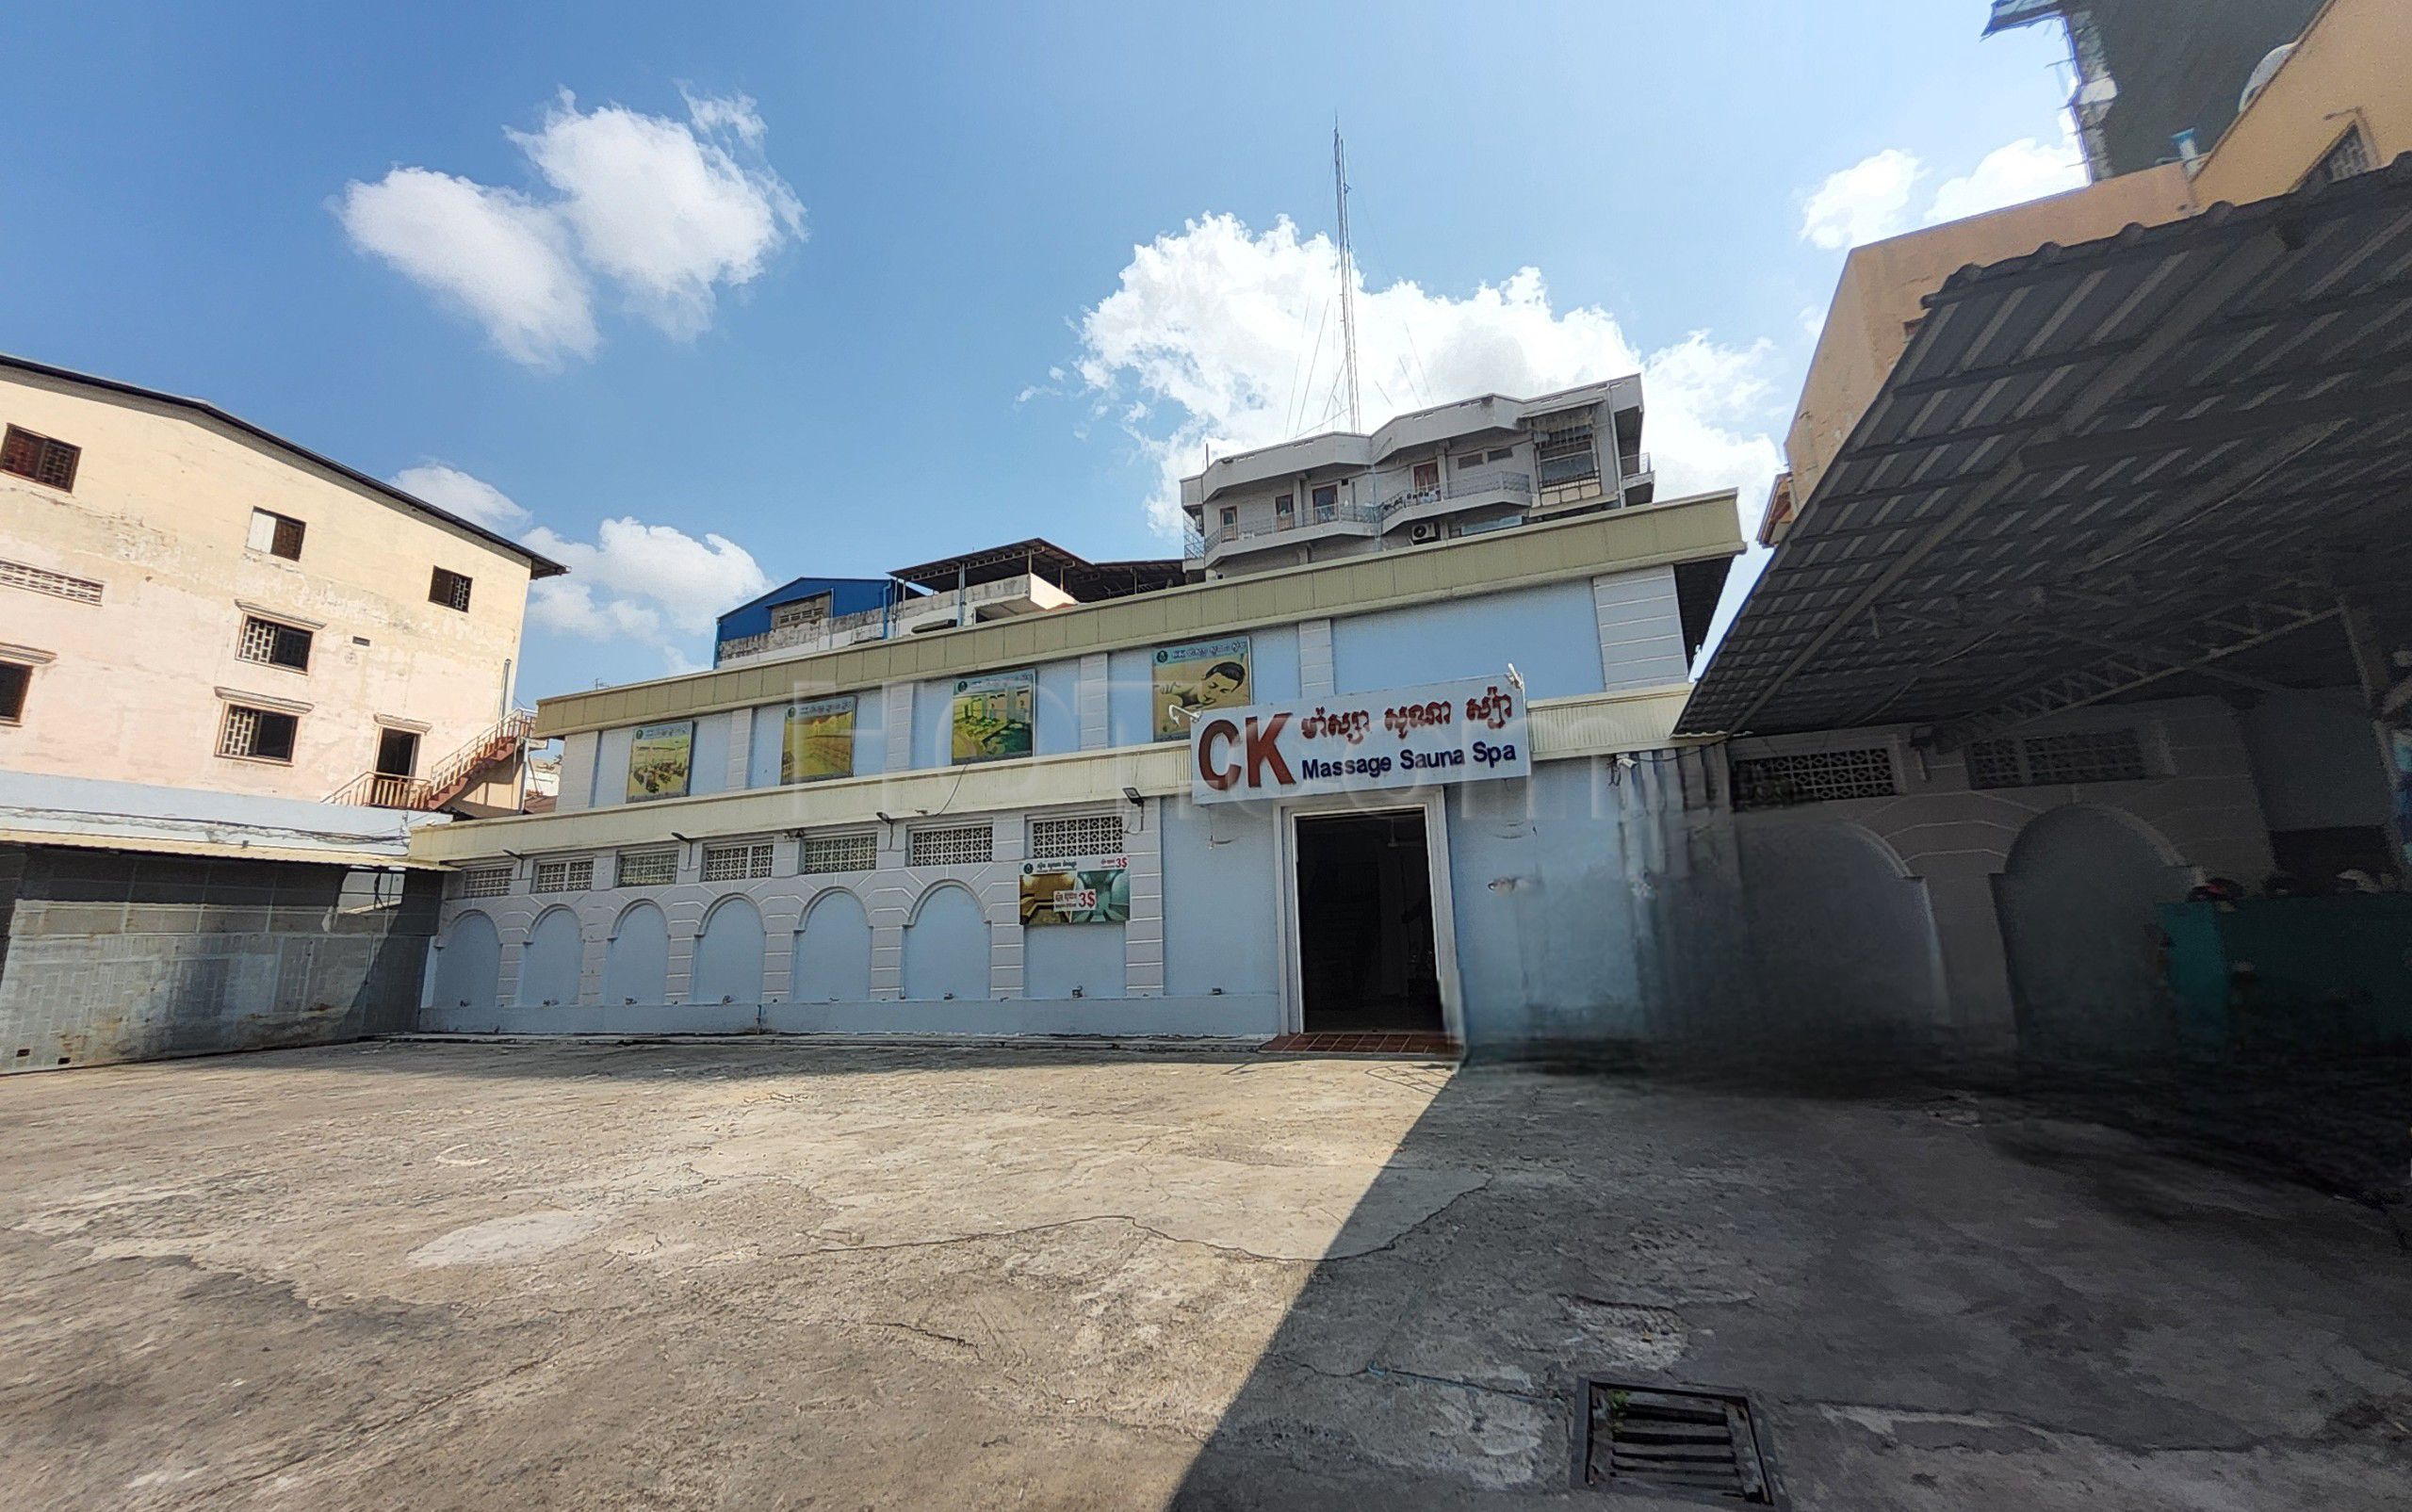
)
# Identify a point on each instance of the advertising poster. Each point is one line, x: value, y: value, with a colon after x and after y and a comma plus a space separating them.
x: 1093, y: 889
x: 992, y: 716
x: 660, y: 759
x: 1191, y: 680
x: 819, y: 741
x: 1396, y: 738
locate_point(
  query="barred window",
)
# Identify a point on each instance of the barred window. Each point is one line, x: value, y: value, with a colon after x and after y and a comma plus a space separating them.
x: 565, y: 877
x: 1562, y: 451
x: 1813, y: 778
x: 1078, y: 835
x: 486, y: 882
x: 449, y: 589
x: 257, y: 734
x: 2045, y: 760
x: 956, y: 846
x: 56, y: 584
x: 274, y: 644
x: 737, y: 863
x: 2349, y: 155
x: 838, y: 852
x: 649, y: 869
x: 40, y: 458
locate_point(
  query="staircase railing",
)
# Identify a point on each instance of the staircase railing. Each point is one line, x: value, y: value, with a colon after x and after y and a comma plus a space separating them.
x: 450, y: 777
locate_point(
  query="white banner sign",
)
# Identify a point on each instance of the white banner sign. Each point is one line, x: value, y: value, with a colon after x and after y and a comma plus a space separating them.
x: 1401, y: 738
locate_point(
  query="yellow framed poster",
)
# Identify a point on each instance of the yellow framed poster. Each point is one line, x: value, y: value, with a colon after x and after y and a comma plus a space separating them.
x: 992, y: 716
x: 660, y: 760
x: 1191, y: 680
x: 819, y: 740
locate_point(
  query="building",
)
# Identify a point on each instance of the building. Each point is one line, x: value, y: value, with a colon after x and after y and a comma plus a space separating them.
x: 1057, y: 822
x: 234, y: 677
x: 194, y: 603
x: 1440, y: 474
x: 2156, y: 78
x: 2335, y: 104
x: 815, y: 615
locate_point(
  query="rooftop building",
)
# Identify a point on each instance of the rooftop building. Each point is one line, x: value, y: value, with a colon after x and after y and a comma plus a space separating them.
x: 1438, y: 474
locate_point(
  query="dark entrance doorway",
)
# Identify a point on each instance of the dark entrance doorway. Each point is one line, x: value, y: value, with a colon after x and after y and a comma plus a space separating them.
x: 1366, y: 960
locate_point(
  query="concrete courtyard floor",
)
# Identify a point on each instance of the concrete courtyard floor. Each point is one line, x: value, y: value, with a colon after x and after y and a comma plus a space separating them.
x: 784, y: 1275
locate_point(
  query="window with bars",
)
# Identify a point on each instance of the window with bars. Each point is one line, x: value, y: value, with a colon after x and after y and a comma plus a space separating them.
x: 649, y: 869
x: 1076, y: 835
x: 2349, y: 157
x: 16, y: 680
x: 838, y: 852
x: 274, y: 644
x: 954, y: 846
x: 1563, y: 451
x: 56, y: 584
x: 279, y: 535
x: 1813, y: 778
x: 449, y: 589
x: 40, y: 458
x: 2047, y: 760
x: 487, y: 881
x: 564, y: 876
x: 257, y: 734
x: 737, y: 863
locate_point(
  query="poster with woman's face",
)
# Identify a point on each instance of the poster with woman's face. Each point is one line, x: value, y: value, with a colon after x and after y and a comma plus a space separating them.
x: 659, y: 759
x: 1190, y: 679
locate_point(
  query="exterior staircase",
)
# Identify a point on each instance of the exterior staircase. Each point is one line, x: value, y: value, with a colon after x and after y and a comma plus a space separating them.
x: 500, y: 741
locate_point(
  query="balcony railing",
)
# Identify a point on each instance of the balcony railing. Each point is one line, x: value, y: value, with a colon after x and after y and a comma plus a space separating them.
x: 1634, y: 464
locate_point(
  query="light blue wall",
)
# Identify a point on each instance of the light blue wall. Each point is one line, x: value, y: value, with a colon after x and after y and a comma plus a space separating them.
x: 1059, y: 709
x: 728, y: 955
x: 709, y: 770
x: 612, y: 766
x: 1221, y: 898
x: 468, y: 967
x: 769, y: 729
x: 832, y: 961
x: 946, y: 947
x: 1551, y: 632
x: 549, y: 967
x: 1273, y: 657
x: 636, y: 965
x: 1057, y: 958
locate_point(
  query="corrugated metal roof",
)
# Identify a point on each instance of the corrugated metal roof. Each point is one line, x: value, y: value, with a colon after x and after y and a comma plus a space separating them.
x: 2185, y: 436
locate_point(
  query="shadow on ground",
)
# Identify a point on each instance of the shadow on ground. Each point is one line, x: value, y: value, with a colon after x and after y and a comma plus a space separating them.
x: 2015, y: 1284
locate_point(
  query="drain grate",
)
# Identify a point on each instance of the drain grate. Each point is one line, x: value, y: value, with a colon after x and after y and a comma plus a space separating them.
x: 1686, y: 1441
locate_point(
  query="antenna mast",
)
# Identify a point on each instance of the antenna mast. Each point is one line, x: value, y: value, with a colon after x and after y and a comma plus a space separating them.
x: 1347, y: 279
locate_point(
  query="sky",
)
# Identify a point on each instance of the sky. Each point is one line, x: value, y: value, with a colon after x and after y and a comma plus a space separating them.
x: 696, y: 299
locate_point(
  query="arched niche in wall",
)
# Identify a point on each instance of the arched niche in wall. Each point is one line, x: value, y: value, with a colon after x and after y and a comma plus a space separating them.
x: 468, y: 965
x: 1842, y: 936
x: 548, y: 966
x: 2077, y: 899
x: 946, y: 947
x: 728, y: 955
x: 832, y: 959
x: 636, y: 965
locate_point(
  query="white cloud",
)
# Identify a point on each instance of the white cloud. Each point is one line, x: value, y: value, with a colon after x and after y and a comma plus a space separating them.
x: 1216, y: 330
x: 2025, y: 170
x: 651, y: 583
x: 455, y: 491
x: 498, y: 257
x: 1870, y: 200
x: 1865, y: 201
x: 667, y: 212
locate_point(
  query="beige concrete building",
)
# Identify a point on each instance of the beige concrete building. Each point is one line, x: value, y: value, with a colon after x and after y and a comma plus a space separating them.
x: 2335, y: 102
x: 188, y: 601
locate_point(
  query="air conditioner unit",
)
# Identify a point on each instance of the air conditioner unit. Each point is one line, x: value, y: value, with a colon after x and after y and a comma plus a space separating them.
x: 1422, y: 531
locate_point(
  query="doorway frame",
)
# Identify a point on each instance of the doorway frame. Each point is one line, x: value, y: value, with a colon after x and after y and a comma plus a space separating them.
x: 1429, y: 802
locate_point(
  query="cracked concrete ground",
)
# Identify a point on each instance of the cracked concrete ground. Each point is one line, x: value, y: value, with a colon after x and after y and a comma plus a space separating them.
x: 819, y: 1276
